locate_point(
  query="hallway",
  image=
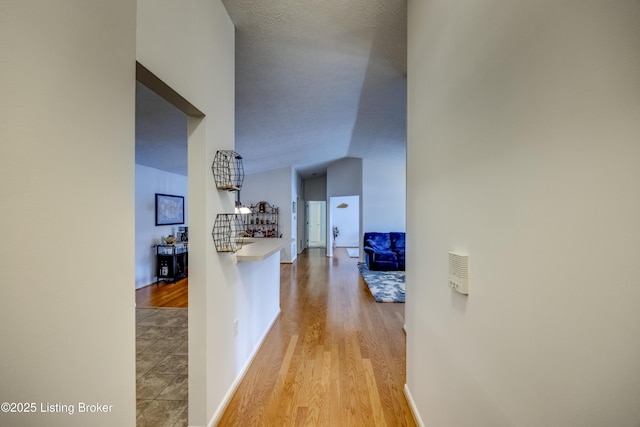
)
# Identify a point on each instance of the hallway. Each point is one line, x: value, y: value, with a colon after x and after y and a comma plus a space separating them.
x: 334, y: 357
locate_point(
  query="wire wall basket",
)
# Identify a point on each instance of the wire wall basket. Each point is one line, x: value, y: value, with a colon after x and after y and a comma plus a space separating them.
x: 227, y: 232
x: 228, y: 170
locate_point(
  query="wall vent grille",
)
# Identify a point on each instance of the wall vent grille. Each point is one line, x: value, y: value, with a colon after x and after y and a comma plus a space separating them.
x: 459, y: 272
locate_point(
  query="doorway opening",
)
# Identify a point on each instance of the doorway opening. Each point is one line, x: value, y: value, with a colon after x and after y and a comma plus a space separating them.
x: 162, y: 344
x: 317, y: 224
x: 344, y: 221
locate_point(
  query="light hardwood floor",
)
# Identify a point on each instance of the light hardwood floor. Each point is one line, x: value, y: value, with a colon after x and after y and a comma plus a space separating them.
x: 334, y: 357
x: 163, y: 294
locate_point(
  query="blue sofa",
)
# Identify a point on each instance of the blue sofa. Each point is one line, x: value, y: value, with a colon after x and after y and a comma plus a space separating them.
x: 384, y: 251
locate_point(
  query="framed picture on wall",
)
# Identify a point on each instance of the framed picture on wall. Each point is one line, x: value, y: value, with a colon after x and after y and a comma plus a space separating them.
x: 169, y: 209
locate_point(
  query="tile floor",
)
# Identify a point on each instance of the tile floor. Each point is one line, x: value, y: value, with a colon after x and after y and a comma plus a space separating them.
x: 161, y: 367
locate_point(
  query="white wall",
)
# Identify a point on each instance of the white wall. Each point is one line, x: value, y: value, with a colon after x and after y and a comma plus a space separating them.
x: 381, y: 182
x: 344, y: 178
x: 315, y: 189
x: 275, y: 187
x: 67, y: 153
x: 150, y: 181
x: 259, y: 285
x: 347, y: 220
x: 384, y: 193
x: 523, y: 152
x: 300, y: 219
x: 191, y: 48
x: 297, y: 196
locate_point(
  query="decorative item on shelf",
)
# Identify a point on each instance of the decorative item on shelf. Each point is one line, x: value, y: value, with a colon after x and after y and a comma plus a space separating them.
x: 170, y: 240
x: 228, y: 170
x: 228, y: 231
x: 164, y: 269
x: 183, y: 234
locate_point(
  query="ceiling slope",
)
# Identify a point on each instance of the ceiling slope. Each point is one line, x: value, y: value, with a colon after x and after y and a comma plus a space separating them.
x: 316, y: 81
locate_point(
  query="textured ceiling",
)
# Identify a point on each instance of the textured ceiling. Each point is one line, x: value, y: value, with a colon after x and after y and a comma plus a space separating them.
x: 316, y: 81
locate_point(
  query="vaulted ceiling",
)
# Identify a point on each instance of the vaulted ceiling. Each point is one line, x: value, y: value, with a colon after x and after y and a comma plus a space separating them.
x: 316, y: 81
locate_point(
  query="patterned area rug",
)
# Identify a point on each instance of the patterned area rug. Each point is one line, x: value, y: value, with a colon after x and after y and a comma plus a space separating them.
x: 385, y: 286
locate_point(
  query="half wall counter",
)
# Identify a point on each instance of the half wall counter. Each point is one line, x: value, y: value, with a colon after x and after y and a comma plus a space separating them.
x: 257, y: 249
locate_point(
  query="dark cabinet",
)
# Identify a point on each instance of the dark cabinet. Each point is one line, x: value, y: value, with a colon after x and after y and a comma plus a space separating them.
x: 171, y: 262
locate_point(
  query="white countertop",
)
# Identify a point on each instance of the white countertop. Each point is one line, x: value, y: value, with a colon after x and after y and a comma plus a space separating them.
x: 257, y: 249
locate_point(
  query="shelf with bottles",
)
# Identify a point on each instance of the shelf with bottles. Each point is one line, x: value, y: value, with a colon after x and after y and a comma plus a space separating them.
x: 262, y: 221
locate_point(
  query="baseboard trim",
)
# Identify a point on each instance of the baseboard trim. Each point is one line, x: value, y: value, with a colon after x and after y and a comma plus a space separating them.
x: 234, y: 386
x: 412, y: 406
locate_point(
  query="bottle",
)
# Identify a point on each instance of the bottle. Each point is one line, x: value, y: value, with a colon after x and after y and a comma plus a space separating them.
x: 164, y: 270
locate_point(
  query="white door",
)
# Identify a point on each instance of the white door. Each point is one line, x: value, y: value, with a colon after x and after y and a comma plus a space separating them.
x: 317, y: 215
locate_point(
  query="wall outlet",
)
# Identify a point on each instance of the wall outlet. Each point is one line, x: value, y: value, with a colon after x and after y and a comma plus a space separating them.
x: 235, y: 328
